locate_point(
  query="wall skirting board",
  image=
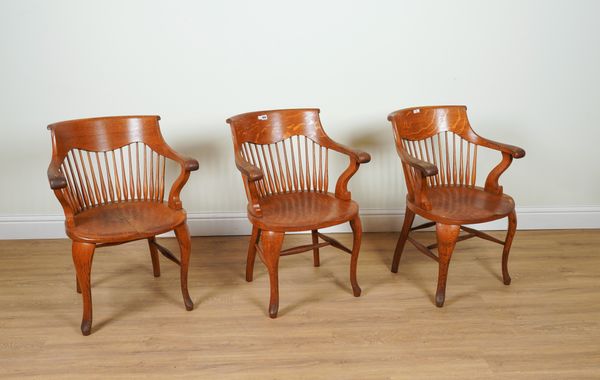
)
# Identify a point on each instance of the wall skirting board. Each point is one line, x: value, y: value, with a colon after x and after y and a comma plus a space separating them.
x: 374, y: 220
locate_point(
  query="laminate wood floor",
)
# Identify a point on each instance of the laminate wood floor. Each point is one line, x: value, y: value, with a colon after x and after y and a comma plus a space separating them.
x: 546, y: 325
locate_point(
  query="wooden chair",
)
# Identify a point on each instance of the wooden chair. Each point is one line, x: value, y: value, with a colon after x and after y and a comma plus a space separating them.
x: 108, y: 174
x: 283, y: 158
x: 438, y: 150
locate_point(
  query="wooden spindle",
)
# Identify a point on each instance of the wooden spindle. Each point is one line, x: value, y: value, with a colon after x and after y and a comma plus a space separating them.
x: 111, y: 192
x: 307, y: 163
x: 454, y: 171
x: 101, y: 178
x: 441, y: 171
x: 88, y: 182
x: 71, y: 180
x: 448, y: 174
x: 461, y: 176
x: 314, y: 165
x: 273, y: 168
x: 300, y: 169
x: 124, y: 175
x: 474, y: 174
x: 139, y: 174
x: 99, y: 199
x: 326, y: 174
x: 294, y: 172
x: 131, y: 178
x: 116, y: 173
x: 468, y: 165
x: 78, y: 190
x: 162, y: 182
x: 151, y: 176
x: 436, y: 178
x: 287, y: 167
x: 84, y: 197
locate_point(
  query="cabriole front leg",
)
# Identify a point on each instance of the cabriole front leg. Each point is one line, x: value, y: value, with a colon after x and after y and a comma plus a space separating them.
x: 270, y: 244
x: 510, y: 234
x: 185, y: 244
x: 82, y: 259
x: 446, y: 239
x: 356, y: 226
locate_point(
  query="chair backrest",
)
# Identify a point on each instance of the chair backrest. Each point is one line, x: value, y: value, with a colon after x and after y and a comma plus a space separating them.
x: 440, y: 135
x: 289, y: 146
x: 110, y: 159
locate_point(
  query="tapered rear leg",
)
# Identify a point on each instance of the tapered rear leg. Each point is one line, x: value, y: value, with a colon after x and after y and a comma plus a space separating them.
x: 446, y: 239
x: 185, y: 245
x: 510, y: 234
x: 356, y: 226
x: 154, y: 256
x: 254, y: 238
x: 83, y: 254
x: 315, y: 240
x: 270, y: 244
x: 409, y: 217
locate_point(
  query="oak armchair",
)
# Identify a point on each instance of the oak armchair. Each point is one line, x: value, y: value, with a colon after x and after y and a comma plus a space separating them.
x: 283, y: 158
x: 438, y: 150
x: 108, y: 174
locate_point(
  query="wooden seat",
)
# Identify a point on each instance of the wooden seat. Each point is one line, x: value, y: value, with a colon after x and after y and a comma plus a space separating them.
x: 303, y: 211
x: 108, y: 174
x: 465, y: 205
x: 438, y: 149
x: 116, y: 222
x: 283, y: 156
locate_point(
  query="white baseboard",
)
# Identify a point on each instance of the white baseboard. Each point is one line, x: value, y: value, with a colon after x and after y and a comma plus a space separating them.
x: 373, y: 220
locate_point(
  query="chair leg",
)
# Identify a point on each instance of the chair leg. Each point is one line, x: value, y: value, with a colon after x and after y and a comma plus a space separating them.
x: 356, y: 226
x: 510, y: 234
x: 82, y: 259
x: 154, y: 257
x: 252, y: 253
x: 315, y: 240
x: 185, y: 243
x: 77, y: 284
x: 270, y: 249
x: 409, y: 217
x: 446, y: 239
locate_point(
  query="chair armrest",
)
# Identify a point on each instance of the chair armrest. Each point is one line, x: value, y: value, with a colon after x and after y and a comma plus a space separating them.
x: 188, y: 165
x: 251, y: 172
x: 358, y: 155
x: 58, y: 183
x: 55, y: 177
x: 514, y: 151
x: 427, y: 169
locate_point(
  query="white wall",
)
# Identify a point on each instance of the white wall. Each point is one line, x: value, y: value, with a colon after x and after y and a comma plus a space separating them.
x: 528, y: 70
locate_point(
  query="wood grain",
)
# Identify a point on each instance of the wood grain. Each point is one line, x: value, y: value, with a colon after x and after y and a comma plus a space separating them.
x: 281, y: 201
x: 546, y: 325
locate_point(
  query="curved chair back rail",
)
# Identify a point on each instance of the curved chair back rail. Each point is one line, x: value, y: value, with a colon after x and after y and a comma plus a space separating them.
x: 438, y: 150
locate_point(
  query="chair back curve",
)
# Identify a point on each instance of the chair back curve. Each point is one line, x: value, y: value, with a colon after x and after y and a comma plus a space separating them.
x: 290, y: 147
x: 110, y: 159
x: 442, y: 136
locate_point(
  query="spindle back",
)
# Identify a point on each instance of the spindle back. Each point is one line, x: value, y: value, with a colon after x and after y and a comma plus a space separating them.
x: 441, y: 136
x: 110, y: 159
x: 289, y: 146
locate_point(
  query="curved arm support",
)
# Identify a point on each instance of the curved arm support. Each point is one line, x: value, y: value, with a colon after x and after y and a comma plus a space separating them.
x: 491, y: 182
x: 250, y: 174
x: 420, y: 171
x: 188, y: 165
x: 58, y: 183
x: 357, y: 157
